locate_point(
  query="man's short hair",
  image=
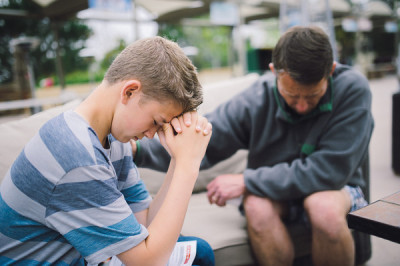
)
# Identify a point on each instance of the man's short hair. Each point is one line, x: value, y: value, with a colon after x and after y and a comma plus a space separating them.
x: 163, y: 69
x: 305, y: 53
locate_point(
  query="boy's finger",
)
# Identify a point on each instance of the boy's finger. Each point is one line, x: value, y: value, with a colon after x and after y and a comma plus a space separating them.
x: 187, y: 118
x: 167, y: 129
x: 203, y: 126
x: 208, y: 129
x: 176, y: 124
x: 199, y: 121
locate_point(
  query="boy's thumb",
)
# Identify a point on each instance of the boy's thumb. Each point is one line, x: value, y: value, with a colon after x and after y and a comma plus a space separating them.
x: 167, y: 128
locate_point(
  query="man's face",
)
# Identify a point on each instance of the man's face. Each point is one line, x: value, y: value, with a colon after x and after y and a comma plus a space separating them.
x: 138, y: 119
x: 301, y: 98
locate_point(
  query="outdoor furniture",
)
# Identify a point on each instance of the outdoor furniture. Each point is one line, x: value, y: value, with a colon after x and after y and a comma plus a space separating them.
x: 380, y: 218
x: 38, y: 103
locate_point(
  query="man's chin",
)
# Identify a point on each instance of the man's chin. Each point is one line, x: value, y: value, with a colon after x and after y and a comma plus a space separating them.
x: 303, y: 112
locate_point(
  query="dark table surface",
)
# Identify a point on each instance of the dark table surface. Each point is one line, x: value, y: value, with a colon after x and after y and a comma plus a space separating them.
x: 380, y: 218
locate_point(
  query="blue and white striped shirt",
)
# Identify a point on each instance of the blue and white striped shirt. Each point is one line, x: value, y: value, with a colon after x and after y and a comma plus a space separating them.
x: 66, y: 198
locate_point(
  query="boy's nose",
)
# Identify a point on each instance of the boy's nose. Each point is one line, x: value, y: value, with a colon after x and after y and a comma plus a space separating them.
x: 150, y: 133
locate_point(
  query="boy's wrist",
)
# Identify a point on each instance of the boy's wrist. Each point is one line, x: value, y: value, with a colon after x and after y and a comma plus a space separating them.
x: 187, y: 165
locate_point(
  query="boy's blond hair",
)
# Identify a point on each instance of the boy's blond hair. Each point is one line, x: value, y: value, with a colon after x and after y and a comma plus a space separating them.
x: 163, y: 69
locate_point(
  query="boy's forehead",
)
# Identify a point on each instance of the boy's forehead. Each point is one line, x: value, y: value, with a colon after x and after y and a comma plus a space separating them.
x: 169, y: 110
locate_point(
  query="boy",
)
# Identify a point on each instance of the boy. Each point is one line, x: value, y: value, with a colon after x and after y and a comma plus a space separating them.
x: 74, y: 191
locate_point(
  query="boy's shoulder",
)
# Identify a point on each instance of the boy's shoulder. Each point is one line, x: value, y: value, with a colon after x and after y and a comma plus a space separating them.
x: 72, y: 142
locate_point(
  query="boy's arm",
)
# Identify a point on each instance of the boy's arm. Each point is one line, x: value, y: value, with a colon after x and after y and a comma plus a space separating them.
x: 146, y: 216
x: 176, y: 124
x: 166, y: 214
x: 161, y: 194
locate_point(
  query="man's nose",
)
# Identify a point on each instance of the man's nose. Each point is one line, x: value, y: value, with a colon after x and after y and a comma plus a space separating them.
x: 301, y: 105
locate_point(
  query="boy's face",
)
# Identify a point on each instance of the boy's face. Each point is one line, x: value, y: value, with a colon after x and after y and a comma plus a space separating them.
x: 137, y: 119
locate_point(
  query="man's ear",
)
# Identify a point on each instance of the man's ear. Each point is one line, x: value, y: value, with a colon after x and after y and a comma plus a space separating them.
x: 271, y: 67
x: 333, y: 67
x: 129, y: 89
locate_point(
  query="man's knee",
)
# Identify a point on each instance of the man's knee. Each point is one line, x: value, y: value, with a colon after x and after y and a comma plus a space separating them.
x: 327, y: 212
x: 260, y: 212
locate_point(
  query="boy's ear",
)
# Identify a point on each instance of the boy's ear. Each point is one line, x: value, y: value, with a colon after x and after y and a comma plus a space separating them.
x: 129, y: 89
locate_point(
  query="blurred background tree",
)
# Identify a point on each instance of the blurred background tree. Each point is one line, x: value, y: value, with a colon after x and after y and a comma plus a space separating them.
x: 110, y: 56
x: 211, y: 44
x: 72, y: 35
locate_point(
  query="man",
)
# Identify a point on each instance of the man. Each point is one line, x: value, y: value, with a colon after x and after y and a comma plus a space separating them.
x: 307, y: 128
x: 74, y: 194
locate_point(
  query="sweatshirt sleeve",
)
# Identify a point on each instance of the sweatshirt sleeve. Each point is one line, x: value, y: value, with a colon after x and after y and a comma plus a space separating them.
x: 151, y: 154
x: 340, y: 149
x: 230, y: 127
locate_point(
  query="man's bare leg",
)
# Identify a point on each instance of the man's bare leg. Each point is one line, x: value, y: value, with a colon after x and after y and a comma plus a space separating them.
x: 268, y: 235
x: 332, y: 242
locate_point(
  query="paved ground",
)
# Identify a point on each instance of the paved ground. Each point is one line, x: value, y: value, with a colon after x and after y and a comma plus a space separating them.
x: 383, y: 180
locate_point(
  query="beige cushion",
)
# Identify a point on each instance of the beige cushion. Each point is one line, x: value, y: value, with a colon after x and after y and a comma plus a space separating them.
x: 15, y: 134
x: 211, y: 217
x: 219, y: 92
x: 224, y: 228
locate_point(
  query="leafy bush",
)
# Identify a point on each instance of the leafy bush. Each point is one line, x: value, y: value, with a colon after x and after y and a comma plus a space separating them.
x: 79, y: 77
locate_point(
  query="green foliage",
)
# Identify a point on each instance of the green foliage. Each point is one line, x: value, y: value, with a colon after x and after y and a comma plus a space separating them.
x: 213, y: 43
x: 346, y: 41
x: 110, y: 56
x: 72, y: 36
x: 172, y: 32
x: 80, y: 76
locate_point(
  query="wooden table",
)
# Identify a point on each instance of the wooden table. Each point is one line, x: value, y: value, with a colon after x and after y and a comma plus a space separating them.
x: 380, y: 218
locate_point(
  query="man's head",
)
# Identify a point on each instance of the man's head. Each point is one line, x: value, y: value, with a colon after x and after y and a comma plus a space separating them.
x: 303, y: 61
x: 164, y: 71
